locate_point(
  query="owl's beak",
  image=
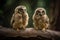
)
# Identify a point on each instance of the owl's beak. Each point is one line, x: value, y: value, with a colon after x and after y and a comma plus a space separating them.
x: 40, y: 14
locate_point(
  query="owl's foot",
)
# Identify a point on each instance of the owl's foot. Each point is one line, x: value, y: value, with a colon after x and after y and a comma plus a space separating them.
x: 44, y: 29
x: 18, y: 29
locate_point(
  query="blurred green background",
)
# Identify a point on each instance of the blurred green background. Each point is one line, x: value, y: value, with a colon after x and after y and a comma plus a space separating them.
x: 7, y: 9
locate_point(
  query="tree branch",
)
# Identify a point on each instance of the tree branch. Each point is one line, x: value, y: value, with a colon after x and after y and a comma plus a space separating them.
x: 28, y: 32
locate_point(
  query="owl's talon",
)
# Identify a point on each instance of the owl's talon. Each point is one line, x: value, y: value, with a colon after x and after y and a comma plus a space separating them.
x: 43, y: 29
x: 18, y: 30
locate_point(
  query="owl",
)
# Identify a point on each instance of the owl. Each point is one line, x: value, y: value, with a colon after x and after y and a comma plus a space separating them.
x: 40, y: 19
x: 19, y: 18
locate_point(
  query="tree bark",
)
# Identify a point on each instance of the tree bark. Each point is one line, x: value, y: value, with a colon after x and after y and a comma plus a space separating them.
x: 28, y: 32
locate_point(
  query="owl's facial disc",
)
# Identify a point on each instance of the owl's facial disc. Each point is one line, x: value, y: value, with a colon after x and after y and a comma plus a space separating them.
x: 41, y: 12
x: 38, y: 13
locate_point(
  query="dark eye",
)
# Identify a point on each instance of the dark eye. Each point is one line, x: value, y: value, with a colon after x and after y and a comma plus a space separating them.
x: 37, y: 12
x: 43, y: 12
x: 20, y: 9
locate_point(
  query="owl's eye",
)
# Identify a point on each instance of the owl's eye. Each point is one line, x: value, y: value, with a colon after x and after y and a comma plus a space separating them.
x: 37, y: 12
x: 20, y: 9
x: 43, y: 12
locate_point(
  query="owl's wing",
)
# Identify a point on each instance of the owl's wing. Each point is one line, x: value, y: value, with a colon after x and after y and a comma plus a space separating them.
x: 46, y: 19
x: 12, y: 19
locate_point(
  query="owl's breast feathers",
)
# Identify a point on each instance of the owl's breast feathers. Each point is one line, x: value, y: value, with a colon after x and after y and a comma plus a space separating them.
x: 18, y: 18
x: 24, y: 19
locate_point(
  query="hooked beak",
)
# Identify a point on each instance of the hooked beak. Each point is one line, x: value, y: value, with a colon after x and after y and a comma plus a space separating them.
x: 40, y: 14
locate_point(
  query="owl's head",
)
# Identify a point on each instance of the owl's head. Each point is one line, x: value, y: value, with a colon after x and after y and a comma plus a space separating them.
x: 20, y: 9
x: 40, y: 11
